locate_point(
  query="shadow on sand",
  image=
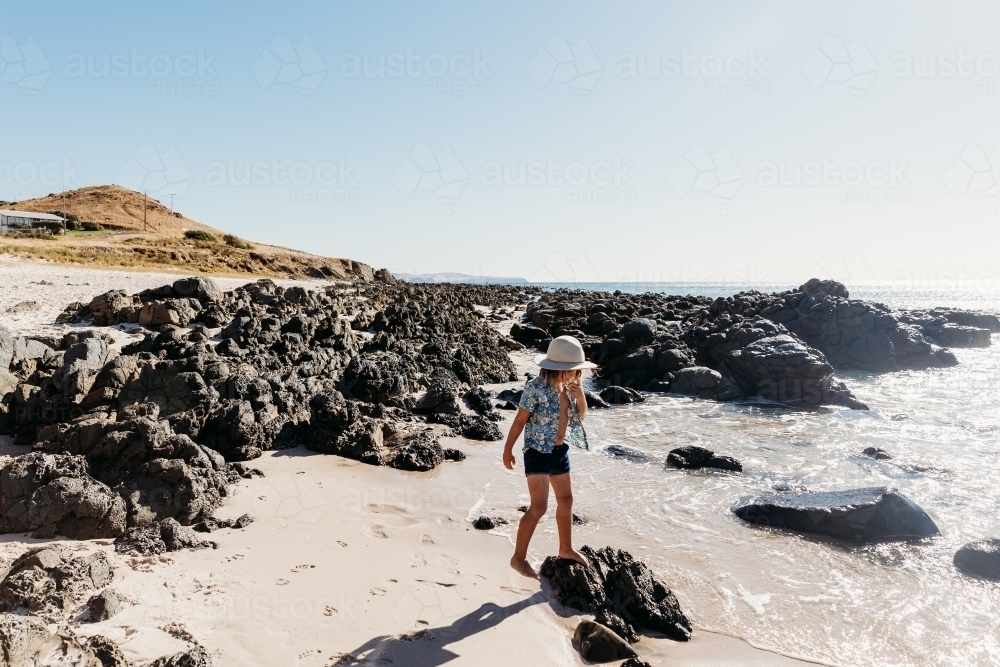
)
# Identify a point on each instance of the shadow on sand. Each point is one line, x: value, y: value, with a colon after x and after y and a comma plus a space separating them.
x: 426, y: 648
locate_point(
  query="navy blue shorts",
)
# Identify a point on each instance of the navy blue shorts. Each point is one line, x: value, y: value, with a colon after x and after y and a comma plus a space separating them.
x: 555, y: 463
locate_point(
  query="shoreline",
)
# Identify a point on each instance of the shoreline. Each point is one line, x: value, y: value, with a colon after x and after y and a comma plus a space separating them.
x: 412, y: 563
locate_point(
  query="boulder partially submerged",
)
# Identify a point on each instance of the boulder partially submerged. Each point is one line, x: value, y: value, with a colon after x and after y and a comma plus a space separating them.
x: 861, y: 516
x: 694, y: 458
x: 980, y: 558
x: 621, y: 592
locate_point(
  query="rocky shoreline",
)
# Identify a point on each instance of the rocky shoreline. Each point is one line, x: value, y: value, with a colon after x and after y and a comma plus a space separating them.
x: 152, y: 437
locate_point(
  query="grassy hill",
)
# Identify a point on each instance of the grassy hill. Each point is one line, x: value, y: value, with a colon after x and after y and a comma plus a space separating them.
x: 167, y: 241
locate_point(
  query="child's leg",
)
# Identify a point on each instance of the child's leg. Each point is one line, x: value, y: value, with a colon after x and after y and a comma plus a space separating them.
x: 563, y: 489
x: 563, y: 417
x: 538, y: 489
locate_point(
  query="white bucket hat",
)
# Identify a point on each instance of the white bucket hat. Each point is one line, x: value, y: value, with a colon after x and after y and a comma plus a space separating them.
x: 565, y: 354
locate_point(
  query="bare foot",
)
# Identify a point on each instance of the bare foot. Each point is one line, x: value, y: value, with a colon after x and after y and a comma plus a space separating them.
x: 523, y: 568
x: 573, y: 554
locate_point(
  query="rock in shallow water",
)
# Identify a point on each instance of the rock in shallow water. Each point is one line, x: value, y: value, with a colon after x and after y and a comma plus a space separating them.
x: 620, y: 591
x: 616, y: 395
x: 627, y: 453
x: 869, y: 515
x: 489, y: 522
x: 693, y: 458
x: 980, y: 558
x: 876, y: 453
x: 600, y: 644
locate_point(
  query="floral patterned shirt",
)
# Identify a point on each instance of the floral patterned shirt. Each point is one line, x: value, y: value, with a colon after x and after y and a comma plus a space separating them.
x: 540, y: 432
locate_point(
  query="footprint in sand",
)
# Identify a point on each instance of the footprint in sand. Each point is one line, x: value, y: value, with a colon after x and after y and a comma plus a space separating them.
x: 515, y: 591
x: 341, y: 543
x: 261, y: 497
x: 306, y: 654
x: 282, y: 582
x: 426, y: 539
x: 448, y: 559
x: 234, y: 557
x: 303, y: 568
x: 329, y: 611
x: 378, y: 590
x: 418, y: 561
x: 379, y: 531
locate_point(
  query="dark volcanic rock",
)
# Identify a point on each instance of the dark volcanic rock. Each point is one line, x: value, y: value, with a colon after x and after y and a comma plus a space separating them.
x: 25, y: 641
x: 50, y: 495
x: 594, y: 401
x: 627, y: 453
x: 49, y: 582
x: 635, y: 662
x: 876, y: 453
x: 489, y: 522
x: 452, y: 454
x: 620, y: 591
x: 196, y: 656
x: 614, y: 395
x: 104, y: 605
x: 980, y: 558
x: 160, y: 537
x: 419, y: 454
x: 693, y: 458
x: 530, y: 335
x: 211, y: 524
x: 703, y: 383
x: 108, y: 653
x: 473, y: 428
x: 601, y: 644
x: 442, y: 394
x: 869, y: 515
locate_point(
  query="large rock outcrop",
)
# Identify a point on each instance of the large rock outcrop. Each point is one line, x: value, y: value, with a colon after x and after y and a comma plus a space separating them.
x: 869, y: 515
x: 620, y: 591
x: 51, y: 583
x: 48, y: 495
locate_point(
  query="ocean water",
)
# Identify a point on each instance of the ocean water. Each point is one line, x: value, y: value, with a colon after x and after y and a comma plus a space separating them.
x: 890, y: 604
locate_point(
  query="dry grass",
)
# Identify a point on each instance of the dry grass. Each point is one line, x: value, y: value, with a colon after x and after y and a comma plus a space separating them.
x: 164, y: 247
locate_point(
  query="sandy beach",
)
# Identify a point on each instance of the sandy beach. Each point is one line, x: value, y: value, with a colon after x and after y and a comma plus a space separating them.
x: 344, y: 563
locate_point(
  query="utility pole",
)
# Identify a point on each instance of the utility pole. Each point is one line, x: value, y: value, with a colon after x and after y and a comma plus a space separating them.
x: 170, y: 222
x: 143, y: 210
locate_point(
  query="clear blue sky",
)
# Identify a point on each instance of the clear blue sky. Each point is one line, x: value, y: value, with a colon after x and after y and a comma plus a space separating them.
x: 657, y: 140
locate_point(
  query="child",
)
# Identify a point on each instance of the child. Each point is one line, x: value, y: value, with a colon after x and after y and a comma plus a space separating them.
x: 551, y: 416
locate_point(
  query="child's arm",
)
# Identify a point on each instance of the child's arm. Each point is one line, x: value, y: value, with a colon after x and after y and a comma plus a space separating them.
x: 581, y: 398
x: 563, y: 415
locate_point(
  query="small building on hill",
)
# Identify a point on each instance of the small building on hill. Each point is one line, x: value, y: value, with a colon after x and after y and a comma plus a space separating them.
x: 23, y: 220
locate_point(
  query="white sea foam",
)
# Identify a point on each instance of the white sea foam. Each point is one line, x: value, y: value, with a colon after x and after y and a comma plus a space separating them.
x: 890, y: 604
